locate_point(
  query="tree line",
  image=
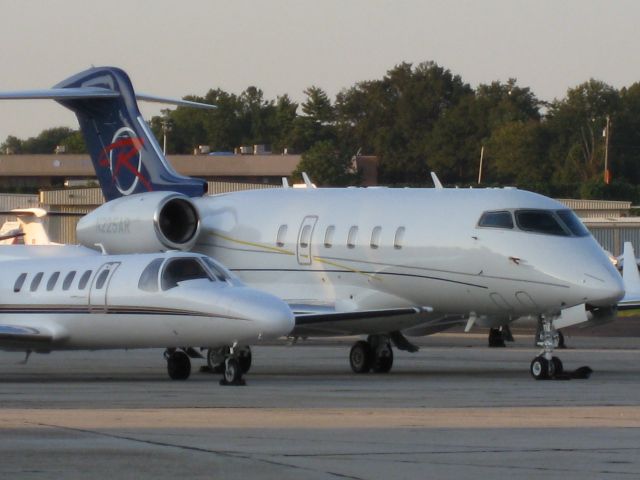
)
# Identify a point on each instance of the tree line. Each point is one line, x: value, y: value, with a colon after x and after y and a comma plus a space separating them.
x: 417, y: 119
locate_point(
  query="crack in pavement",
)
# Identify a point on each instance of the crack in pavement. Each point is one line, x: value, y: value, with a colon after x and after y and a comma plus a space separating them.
x: 223, y: 453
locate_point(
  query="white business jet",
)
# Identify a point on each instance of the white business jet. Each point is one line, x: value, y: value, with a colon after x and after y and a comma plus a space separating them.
x: 28, y: 228
x: 386, y: 263
x: 71, y: 298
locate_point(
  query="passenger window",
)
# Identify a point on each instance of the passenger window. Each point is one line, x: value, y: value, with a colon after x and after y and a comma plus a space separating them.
x: 52, y: 281
x: 375, y: 237
x: 328, y: 236
x: 84, y: 280
x: 282, y: 232
x: 35, y: 283
x: 102, y: 278
x: 353, y: 236
x: 501, y: 219
x: 180, y: 270
x: 539, y: 221
x: 305, y: 236
x: 19, y: 282
x: 399, y: 238
x: 66, y: 284
x: 149, y: 277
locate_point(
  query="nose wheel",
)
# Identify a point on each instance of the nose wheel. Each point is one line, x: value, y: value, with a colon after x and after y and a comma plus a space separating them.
x: 545, y: 366
x: 216, y: 358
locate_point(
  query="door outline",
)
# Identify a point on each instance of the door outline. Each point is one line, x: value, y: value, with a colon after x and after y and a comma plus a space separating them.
x: 303, y: 250
x: 98, y: 296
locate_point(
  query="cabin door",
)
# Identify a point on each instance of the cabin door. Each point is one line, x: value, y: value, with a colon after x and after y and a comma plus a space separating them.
x: 305, y: 234
x: 100, y: 286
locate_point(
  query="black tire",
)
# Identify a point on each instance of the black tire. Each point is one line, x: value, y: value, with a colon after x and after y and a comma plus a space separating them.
x: 178, y: 366
x: 361, y: 357
x: 244, y: 357
x: 495, y: 338
x: 540, y: 368
x: 383, y: 360
x: 215, y: 359
x: 558, y: 368
x: 561, y: 342
x: 232, y: 371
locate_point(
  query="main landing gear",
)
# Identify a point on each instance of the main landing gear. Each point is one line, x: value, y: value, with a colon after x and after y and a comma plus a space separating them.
x: 545, y: 366
x: 497, y: 336
x: 375, y: 354
x: 178, y: 364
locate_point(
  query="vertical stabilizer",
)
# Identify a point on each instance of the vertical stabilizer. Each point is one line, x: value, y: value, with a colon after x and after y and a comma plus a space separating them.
x: 630, y: 279
x: 124, y: 152
x: 630, y: 274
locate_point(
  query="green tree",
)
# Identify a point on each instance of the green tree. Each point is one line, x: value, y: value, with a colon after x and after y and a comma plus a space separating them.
x: 327, y: 165
x: 576, y: 124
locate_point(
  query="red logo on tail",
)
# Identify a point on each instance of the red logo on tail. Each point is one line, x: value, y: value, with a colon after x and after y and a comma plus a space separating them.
x: 125, y: 152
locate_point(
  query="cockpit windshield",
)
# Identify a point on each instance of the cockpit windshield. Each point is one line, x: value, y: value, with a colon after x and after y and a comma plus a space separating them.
x: 216, y: 269
x: 563, y: 223
x: 499, y: 219
x: 180, y: 269
x: 573, y: 223
x: 540, y: 221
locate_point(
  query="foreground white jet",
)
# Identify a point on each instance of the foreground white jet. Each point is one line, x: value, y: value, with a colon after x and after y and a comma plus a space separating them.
x: 71, y: 298
x: 380, y: 262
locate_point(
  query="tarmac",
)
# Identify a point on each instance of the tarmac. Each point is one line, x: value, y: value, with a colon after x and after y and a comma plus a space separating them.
x: 455, y: 409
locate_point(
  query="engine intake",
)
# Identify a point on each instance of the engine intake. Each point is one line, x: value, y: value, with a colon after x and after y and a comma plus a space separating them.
x: 142, y: 223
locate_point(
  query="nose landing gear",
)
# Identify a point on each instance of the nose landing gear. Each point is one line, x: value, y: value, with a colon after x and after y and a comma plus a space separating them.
x: 545, y: 366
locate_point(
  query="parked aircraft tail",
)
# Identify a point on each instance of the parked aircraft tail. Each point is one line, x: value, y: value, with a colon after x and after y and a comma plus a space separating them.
x: 125, y: 154
x: 630, y: 278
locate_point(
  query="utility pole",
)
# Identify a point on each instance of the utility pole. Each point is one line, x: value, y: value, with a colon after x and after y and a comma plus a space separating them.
x: 607, y: 174
x: 166, y: 128
x: 480, y: 169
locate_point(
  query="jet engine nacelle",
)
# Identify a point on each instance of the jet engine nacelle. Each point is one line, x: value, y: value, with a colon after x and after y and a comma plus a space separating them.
x: 142, y: 223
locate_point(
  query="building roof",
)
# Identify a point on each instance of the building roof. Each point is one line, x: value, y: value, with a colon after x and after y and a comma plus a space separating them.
x: 64, y: 165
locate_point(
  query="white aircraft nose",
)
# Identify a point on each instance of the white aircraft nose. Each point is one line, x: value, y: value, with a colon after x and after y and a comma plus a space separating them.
x: 603, y: 286
x: 273, y: 316
x: 276, y: 318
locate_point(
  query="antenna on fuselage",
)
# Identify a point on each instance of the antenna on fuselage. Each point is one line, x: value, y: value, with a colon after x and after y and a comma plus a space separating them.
x: 436, y: 181
x: 285, y: 182
x: 307, y: 181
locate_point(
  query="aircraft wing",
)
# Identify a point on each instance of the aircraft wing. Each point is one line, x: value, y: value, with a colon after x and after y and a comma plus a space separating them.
x: 327, y: 322
x: 22, y: 337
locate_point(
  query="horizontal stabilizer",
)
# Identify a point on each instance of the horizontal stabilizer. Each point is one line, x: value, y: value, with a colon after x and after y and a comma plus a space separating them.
x: 60, y: 94
x: 84, y: 93
x: 171, y: 101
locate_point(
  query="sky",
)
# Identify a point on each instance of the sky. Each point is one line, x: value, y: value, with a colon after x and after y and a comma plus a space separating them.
x: 175, y: 48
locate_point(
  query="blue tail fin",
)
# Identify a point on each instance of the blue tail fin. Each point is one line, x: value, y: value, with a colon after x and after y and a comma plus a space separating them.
x: 124, y: 152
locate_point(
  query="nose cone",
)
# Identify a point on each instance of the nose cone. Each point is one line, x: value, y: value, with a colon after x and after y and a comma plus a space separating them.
x: 602, y: 285
x: 272, y: 316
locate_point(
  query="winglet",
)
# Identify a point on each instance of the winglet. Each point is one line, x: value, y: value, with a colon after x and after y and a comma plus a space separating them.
x: 436, y: 181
